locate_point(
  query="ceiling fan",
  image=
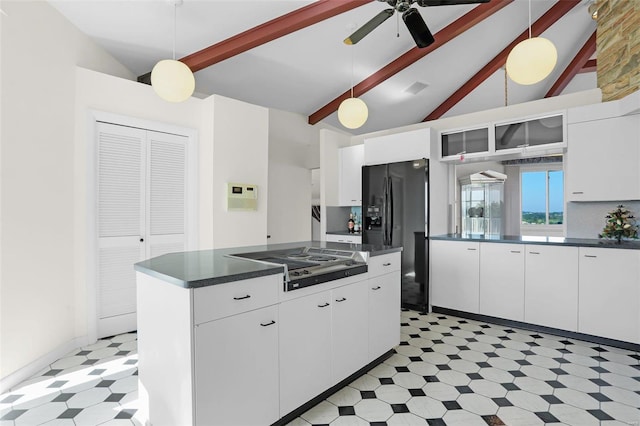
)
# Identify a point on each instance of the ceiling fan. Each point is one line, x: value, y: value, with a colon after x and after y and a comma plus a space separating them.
x: 411, y: 17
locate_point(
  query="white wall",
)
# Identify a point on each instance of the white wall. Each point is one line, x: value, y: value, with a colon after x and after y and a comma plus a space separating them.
x: 39, y: 51
x: 330, y: 142
x: 240, y: 155
x: 291, y: 144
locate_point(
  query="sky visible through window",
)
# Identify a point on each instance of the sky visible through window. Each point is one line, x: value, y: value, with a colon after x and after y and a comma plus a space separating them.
x: 534, y: 197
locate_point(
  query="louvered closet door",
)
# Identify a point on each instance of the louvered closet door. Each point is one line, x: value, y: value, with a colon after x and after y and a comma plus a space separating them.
x: 141, y: 214
x: 166, y: 194
x: 121, y: 173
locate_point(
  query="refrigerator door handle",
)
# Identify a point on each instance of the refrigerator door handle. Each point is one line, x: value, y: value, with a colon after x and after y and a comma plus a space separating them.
x: 384, y: 212
x: 390, y: 191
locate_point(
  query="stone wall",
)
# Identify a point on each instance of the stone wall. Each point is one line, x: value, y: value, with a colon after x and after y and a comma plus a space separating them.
x: 618, y: 47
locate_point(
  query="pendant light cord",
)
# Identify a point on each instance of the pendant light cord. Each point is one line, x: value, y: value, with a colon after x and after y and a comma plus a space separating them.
x: 529, y: 18
x: 352, y: 62
x: 174, y: 30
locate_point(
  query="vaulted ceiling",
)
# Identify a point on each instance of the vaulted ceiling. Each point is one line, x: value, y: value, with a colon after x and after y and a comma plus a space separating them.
x: 290, y: 55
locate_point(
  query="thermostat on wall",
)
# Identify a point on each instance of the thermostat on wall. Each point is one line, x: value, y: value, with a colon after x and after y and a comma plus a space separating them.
x: 242, y: 197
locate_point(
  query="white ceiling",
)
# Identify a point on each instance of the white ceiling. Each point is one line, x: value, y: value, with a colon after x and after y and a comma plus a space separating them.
x: 303, y: 71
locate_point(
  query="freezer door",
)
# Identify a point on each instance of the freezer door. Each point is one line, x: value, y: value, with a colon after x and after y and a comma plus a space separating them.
x: 374, y: 198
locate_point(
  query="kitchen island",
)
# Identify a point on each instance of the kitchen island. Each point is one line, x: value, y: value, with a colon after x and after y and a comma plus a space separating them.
x: 582, y: 288
x: 221, y: 342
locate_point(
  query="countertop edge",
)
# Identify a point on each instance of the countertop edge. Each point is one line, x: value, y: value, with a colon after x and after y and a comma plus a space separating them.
x: 566, y: 242
x: 209, y: 281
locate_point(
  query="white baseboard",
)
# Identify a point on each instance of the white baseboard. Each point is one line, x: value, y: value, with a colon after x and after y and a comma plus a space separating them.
x: 29, y: 370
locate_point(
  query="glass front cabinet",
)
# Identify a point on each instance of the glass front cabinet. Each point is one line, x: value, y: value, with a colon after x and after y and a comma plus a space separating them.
x: 482, y: 204
x: 535, y: 134
x: 459, y: 144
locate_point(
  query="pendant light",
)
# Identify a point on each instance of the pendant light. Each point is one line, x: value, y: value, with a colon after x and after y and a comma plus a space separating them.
x: 352, y: 112
x: 531, y: 60
x: 173, y: 80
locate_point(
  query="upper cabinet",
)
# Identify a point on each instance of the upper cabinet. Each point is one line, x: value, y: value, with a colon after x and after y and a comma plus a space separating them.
x: 405, y: 146
x: 526, y: 137
x: 466, y: 143
x: 602, y: 160
x: 350, y: 162
x: 531, y: 135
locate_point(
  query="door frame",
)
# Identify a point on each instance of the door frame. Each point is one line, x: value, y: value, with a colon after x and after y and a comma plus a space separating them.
x: 192, y: 201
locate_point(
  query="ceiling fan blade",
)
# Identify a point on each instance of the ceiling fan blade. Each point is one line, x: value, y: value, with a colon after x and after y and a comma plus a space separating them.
x: 417, y: 27
x: 361, y: 32
x: 424, y: 3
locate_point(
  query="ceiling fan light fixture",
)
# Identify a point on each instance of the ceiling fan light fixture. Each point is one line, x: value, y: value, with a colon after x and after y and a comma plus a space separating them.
x: 418, y: 28
x: 353, y: 113
x: 172, y: 80
x: 531, y: 60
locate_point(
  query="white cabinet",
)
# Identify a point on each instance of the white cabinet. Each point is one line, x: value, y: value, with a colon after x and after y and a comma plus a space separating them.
x: 536, y: 134
x: 350, y: 162
x: 384, y: 313
x: 602, y: 160
x: 455, y: 275
x: 236, y: 359
x: 349, y: 330
x: 405, y: 146
x: 344, y: 238
x: 305, y: 349
x: 502, y: 280
x: 609, y: 303
x: 551, y: 286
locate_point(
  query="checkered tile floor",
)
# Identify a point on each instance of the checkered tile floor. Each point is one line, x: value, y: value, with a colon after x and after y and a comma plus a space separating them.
x: 447, y: 371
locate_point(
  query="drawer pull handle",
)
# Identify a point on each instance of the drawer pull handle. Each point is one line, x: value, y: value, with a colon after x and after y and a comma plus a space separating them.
x: 242, y: 297
x: 342, y: 299
x: 590, y: 255
x: 534, y: 252
x: 578, y: 192
x: 515, y: 251
x: 323, y: 305
x: 376, y: 288
x: 471, y: 249
x: 267, y: 324
x: 386, y: 264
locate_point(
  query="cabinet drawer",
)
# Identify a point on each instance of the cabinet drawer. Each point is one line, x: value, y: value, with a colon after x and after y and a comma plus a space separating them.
x: 339, y: 238
x: 379, y: 265
x: 223, y: 300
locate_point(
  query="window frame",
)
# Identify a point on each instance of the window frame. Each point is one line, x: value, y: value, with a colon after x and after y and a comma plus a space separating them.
x: 532, y: 229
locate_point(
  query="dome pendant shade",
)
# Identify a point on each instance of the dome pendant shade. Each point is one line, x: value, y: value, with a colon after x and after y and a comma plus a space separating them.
x: 353, y: 113
x: 172, y: 80
x: 531, y: 60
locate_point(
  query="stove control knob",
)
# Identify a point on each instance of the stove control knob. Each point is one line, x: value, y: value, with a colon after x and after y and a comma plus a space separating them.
x: 304, y: 271
x: 295, y: 273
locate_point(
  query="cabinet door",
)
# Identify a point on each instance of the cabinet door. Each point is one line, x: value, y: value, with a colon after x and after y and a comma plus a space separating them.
x: 351, y: 160
x: 609, y: 303
x: 455, y: 267
x: 464, y: 142
x: 384, y: 313
x: 305, y: 349
x: 502, y: 280
x: 544, y: 132
x: 602, y: 160
x: 236, y: 364
x: 551, y: 286
x: 349, y: 329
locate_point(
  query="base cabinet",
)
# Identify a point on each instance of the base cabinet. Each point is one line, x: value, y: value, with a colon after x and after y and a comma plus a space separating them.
x: 455, y: 275
x: 610, y: 293
x: 384, y: 314
x: 502, y: 280
x: 237, y: 363
x: 551, y: 286
x: 305, y: 349
x: 349, y: 330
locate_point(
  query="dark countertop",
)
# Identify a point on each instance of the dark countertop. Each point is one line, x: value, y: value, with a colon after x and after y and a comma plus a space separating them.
x: 554, y: 241
x: 202, y: 268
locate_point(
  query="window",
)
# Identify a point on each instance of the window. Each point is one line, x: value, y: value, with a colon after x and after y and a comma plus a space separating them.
x: 542, y: 197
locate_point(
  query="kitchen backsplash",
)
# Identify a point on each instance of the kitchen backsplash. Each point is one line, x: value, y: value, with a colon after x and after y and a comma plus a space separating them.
x: 337, y: 217
x: 587, y: 219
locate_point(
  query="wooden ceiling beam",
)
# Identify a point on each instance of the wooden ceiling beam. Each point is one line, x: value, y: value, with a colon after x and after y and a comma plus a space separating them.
x: 590, y: 66
x: 269, y: 31
x: 556, y: 12
x: 448, y: 33
x: 264, y: 33
x: 574, y: 67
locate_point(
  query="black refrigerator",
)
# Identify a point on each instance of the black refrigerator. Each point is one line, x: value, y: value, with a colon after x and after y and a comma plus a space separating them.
x: 395, y: 208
